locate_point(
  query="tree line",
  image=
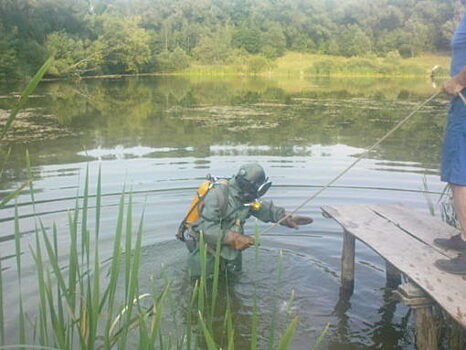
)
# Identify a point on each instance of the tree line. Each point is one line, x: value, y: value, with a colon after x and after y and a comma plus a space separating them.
x: 89, y: 37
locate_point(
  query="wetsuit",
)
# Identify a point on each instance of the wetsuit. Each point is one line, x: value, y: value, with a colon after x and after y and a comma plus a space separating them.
x: 224, y: 210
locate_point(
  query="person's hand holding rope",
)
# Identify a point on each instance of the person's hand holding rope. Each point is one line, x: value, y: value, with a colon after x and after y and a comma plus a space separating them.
x: 456, y: 84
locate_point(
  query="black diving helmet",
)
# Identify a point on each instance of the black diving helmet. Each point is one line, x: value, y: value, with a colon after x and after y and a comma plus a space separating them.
x: 252, y: 181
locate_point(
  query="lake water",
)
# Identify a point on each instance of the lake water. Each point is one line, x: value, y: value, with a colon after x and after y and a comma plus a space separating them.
x: 160, y: 136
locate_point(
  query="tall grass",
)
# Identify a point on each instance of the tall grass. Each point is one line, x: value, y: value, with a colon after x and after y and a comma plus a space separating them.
x: 299, y: 64
x: 80, y: 309
x: 2, y: 315
x: 367, y: 67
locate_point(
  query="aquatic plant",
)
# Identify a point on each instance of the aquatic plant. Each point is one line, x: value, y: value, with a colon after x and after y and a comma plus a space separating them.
x: 82, y: 304
x: 30, y: 87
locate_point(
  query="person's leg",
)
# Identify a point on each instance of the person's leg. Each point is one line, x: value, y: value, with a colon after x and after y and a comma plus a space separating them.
x: 195, y: 264
x: 459, y: 203
x: 457, y: 242
x: 456, y: 265
x: 234, y: 266
x: 454, y: 172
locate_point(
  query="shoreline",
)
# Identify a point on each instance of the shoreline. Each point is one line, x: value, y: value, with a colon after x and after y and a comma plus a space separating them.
x: 245, y: 75
x: 304, y: 65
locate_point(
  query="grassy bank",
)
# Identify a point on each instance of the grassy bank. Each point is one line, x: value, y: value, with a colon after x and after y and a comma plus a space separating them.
x: 301, y: 64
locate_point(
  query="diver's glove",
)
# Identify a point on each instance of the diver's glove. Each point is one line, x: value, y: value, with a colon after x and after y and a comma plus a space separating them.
x: 294, y: 221
x: 237, y: 241
x: 455, y: 84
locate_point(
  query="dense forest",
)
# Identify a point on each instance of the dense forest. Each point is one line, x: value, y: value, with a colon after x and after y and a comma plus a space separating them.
x: 89, y: 37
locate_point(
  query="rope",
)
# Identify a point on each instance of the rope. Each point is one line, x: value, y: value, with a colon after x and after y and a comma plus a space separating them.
x: 364, y: 154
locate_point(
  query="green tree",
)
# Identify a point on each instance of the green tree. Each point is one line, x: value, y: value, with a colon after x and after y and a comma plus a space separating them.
x: 122, y: 46
x: 302, y: 42
x: 248, y: 38
x: 390, y: 19
x: 353, y: 41
x: 273, y: 41
x: 71, y: 55
x: 417, y: 37
x: 214, y: 47
x: 8, y: 56
x: 131, y: 35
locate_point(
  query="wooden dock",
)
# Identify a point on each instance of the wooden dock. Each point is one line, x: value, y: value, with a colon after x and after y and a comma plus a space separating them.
x: 404, y: 237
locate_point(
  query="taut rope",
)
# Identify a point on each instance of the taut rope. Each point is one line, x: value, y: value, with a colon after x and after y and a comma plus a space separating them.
x: 364, y: 154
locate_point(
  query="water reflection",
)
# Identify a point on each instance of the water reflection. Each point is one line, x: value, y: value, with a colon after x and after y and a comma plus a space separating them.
x: 178, y: 112
x: 388, y: 330
x: 162, y: 135
x: 185, y: 117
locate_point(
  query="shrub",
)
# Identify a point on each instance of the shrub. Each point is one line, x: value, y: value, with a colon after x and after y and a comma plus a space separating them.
x: 361, y: 65
x: 169, y: 61
x: 406, y: 51
x: 257, y: 64
x: 326, y: 67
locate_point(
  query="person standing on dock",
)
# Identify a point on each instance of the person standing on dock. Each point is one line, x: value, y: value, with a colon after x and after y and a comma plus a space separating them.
x: 223, y: 214
x: 454, y: 150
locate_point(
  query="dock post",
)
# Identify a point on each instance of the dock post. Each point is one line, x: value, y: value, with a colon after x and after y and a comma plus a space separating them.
x: 393, y: 276
x: 426, y: 328
x: 347, y: 263
x: 457, y: 336
x: 424, y: 319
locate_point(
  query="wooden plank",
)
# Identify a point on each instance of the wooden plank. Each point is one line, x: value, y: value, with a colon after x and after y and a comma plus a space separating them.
x: 407, y: 254
x: 424, y: 227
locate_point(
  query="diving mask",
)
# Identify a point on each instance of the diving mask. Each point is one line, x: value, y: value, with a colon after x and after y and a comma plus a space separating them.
x: 252, y: 181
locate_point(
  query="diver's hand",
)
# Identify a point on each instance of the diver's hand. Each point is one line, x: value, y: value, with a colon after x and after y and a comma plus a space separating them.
x: 237, y: 241
x: 294, y: 221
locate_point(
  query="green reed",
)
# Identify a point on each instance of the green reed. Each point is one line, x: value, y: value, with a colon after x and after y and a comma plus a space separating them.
x: 2, y: 316
x: 273, y: 322
x: 30, y: 87
x: 321, y: 337
x: 82, y: 308
x: 18, y: 267
x: 426, y: 193
x: 254, y: 321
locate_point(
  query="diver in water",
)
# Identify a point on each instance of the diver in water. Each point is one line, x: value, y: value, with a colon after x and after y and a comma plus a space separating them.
x: 222, y: 214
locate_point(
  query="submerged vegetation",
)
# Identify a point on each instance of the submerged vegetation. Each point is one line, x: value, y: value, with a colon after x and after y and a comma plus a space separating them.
x: 140, y: 36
